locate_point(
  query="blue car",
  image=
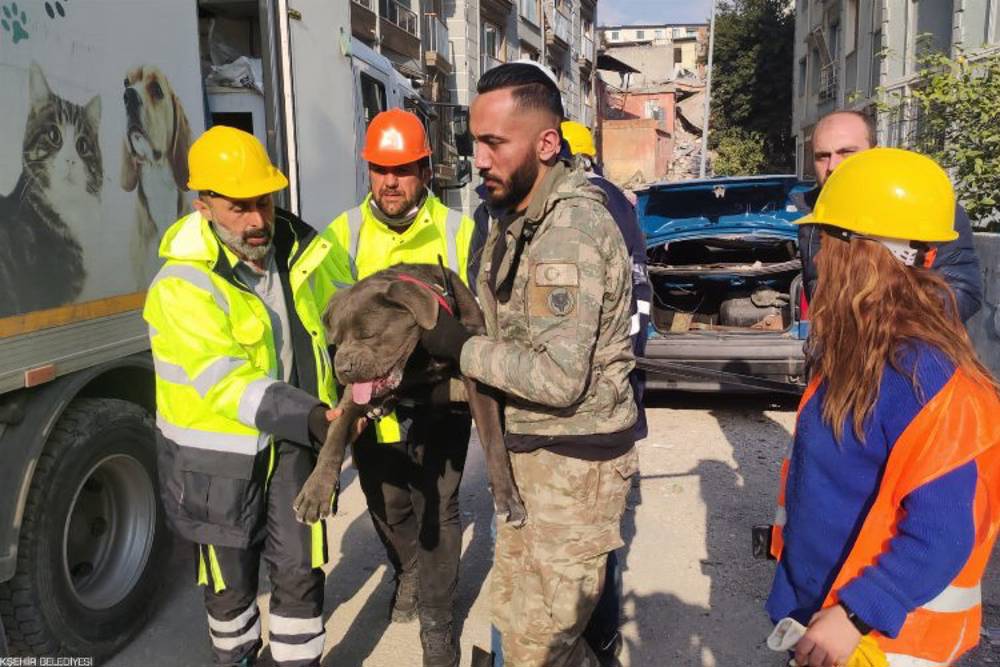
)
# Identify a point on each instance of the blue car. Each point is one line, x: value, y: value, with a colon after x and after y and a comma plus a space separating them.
x: 727, y: 279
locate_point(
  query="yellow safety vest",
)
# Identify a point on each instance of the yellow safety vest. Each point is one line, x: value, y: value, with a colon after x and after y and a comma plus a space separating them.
x: 213, y: 347
x: 437, y: 231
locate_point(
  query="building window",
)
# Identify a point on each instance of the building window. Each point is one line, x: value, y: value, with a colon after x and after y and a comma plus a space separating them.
x: 691, y: 31
x: 851, y: 36
x: 658, y: 34
x: 372, y: 97
x: 529, y: 53
x: 640, y: 34
x: 615, y: 35
x: 803, y: 69
x: 678, y: 32
x: 491, y: 39
x: 678, y: 55
x: 934, y: 20
x: 529, y: 10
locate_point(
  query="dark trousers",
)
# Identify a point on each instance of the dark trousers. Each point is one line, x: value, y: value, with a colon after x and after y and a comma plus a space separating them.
x: 287, y: 546
x: 604, y: 622
x: 412, y: 493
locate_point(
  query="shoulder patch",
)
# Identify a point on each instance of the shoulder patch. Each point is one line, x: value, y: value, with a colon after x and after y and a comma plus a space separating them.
x: 553, y: 275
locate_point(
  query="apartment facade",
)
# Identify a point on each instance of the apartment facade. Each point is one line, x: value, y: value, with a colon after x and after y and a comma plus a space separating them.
x: 679, y: 48
x: 848, y: 52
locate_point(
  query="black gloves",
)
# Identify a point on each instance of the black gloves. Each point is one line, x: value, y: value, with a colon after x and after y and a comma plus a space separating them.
x: 318, y: 425
x: 446, y: 339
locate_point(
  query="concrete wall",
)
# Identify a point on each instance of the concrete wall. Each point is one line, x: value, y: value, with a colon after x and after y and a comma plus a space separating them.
x: 635, y: 150
x: 655, y: 63
x: 985, y: 326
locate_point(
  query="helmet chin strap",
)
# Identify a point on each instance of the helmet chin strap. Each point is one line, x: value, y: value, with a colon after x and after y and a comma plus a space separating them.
x: 908, y: 253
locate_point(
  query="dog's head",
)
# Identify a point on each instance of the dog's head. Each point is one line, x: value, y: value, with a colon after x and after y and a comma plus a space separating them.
x: 158, y: 128
x: 375, y: 326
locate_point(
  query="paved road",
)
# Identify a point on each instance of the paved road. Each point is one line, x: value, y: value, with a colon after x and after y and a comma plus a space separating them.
x: 693, y: 594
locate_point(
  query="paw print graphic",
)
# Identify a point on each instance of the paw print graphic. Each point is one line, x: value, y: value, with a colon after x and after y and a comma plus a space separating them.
x: 13, y: 19
x: 55, y: 7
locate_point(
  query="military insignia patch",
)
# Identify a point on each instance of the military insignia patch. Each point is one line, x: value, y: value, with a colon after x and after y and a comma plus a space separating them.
x: 561, y: 301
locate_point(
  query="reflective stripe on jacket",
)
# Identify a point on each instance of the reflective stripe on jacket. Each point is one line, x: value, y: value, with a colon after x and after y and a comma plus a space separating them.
x: 957, y: 426
x: 437, y: 231
x: 218, y: 398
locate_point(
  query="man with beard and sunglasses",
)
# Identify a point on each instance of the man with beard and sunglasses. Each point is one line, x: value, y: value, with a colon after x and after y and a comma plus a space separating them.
x: 243, y: 385
x: 410, y: 461
x: 555, y: 286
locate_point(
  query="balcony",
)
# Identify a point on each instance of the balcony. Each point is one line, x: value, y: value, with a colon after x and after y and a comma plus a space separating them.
x: 399, y: 15
x: 586, y: 49
x: 828, y: 75
x: 558, y: 33
x: 363, y: 18
x: 437, y: 48
x: 400, y: 29
x: 488, y: 62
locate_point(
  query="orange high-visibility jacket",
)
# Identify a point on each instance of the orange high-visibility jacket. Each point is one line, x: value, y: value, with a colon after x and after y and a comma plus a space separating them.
x: 961, y: 423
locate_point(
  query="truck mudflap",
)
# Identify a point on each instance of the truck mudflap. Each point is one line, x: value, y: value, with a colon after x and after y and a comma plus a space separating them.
x: 680, y: 371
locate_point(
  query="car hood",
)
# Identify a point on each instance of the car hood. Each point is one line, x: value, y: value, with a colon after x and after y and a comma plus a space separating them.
x: 721, y: 207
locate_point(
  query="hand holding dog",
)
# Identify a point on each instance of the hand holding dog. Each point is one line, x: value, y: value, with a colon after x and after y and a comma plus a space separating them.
x: 320, y: 418
x: 446, y: 339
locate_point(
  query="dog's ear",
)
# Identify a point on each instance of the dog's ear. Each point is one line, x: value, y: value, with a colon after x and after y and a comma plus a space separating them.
x: 333, y: 317
x: 419, y: 300
x: 130, y: 168
x: 181, y: 142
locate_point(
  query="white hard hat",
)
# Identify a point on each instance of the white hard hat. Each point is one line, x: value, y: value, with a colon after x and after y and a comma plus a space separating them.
x: 548, y: 72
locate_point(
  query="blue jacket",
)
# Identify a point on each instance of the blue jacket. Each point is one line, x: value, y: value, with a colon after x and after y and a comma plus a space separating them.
x: 832, y: 486
x: 956, y: 260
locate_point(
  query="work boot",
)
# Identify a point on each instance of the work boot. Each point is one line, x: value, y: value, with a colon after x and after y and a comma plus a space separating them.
x: 404, y: 599
x: 437, y: 639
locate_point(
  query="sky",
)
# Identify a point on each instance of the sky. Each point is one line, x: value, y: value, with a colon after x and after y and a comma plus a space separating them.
x: 624, y: 12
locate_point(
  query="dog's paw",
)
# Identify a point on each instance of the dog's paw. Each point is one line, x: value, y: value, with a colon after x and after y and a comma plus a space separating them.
x: 317, y: 500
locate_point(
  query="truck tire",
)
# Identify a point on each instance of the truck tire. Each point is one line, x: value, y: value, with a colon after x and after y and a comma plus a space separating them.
x: 93, y: 539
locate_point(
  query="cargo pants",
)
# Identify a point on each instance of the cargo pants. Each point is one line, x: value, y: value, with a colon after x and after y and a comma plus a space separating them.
x: 548, y: 575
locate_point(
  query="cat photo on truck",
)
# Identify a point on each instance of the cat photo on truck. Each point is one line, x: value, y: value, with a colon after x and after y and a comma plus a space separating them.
x: 49, y: 219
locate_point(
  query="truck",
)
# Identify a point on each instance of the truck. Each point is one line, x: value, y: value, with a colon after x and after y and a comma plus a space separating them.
x: 108, y: 96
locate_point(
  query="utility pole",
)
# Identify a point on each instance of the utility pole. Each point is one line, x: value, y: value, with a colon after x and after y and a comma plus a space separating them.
x: 708, y: 94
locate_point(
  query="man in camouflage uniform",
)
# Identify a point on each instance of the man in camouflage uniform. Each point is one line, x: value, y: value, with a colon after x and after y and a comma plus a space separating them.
x: 555, y: 287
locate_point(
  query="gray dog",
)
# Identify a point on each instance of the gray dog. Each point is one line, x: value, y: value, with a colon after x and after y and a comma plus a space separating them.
x: 375, y: 326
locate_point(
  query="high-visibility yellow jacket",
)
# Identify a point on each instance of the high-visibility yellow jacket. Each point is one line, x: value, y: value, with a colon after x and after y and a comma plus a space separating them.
x: 219, y: 400
x: 372, y: 246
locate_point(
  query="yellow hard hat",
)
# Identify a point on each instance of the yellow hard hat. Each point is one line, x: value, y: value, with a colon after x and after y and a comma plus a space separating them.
x: 232, y: 163
x: 579, y: 138
x: 889, y: 193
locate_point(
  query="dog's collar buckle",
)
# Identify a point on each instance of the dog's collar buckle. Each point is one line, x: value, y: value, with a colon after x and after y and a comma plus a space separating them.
x: 405, y: 277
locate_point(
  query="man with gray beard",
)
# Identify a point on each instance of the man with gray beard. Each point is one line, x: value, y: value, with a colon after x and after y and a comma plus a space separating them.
x: 243, y: 389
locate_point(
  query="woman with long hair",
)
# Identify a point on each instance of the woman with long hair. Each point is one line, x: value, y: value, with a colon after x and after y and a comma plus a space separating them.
x: 889, y: 504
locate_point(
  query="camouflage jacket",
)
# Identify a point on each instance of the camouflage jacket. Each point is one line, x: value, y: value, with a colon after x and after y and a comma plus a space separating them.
x: 559, y: 347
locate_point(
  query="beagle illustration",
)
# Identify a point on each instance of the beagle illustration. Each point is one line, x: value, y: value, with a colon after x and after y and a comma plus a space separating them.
x: 154, y: 162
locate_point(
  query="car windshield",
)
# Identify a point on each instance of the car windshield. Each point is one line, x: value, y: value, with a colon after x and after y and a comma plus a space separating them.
x: 714, y: 202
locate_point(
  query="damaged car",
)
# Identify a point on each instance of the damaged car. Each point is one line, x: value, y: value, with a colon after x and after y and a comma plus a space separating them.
x: 727, y: 283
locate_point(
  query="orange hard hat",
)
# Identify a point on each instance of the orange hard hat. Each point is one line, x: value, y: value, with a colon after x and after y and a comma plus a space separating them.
x: 395, y: 137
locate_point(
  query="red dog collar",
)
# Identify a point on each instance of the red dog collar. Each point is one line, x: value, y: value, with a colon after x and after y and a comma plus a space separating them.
x: 405, y: 277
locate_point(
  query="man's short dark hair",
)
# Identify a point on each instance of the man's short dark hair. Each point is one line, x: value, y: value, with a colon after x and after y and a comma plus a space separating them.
x: 533, y: 89
x: 864, y: 117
